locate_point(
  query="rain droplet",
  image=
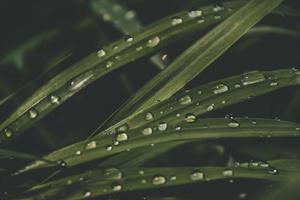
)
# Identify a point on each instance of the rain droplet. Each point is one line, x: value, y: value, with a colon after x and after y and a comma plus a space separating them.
x: 108, y: 148
x: 274, y: 83
x: 54, y: 99
x: 91, y: 145
x: 78, y: 153
x: 120, y: 137
x: 252, y: 78
x: 128, y: 38
x: 109, y: 64
x: 272, y: 170
x: 87, y: 194
x: 8, y: 133
x: 218, y: 7
x: 176, y: 20
x: 185, y: 100
x: 190, y: 118
x: 148, y: 116
x: 177, y: 128
x: 139, y: 48
x: 122, y: 128
x: 62, y: 163
x: 200, y: 21
x: 32, y: 113
x: 195, y: 13
x: 233, y: 123
x: 162, y: 126
x: 147, y: 131
x: 153, y: 42
x: 159, y: 180
x: 101, y: 53
x: 210, y: 107
x: 80, y: 81
x: 220, y: 88
x: 116, y: 187
x: 227, y: 172
x: 197, y: 175
x: 173, y: 178
x: 112, y: 174
x: 141, y: 172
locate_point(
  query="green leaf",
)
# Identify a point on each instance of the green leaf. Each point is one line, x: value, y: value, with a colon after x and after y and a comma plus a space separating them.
x: 199, y: 56
x: 114, y: 180
x: 117, y: 54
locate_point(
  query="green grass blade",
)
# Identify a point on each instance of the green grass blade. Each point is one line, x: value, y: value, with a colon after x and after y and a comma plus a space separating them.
x: 114, y: 180
x: 119, y: 53
x: 205, y: 129
x: 199, y: 56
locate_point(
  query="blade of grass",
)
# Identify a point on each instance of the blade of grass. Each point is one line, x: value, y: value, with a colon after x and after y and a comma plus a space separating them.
x: 114, y: 180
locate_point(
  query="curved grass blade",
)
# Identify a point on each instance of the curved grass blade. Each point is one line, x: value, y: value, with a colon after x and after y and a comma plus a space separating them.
x: 119, y: 53
x: 203, y: 130
x: 114, y: 180
x: 196, y: 58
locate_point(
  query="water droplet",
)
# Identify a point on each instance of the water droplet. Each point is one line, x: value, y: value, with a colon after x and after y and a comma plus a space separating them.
x: 264, y: 164
x: 143, y: 181
x: 122, y: 128
x: 116, y: 187
x: 108, y: 148
x: 147, y: 131
x: 164, y: 57
x: 190, y: 118
x: 120, y: 137
x: 199, y: 92
x: 148, y: 116
x: 252, y: 78
x: 237, y: 85
x: 153, y: 42
x: 128, y: 38
x: 159, y: 180
x: 173, y: 178
x: 87, y: 194
x: 197, y: 175
x: 109, y: 64
x: 78, y: 153
x: 54, y: 99
x: 220, y: 88
x: 200, y: 21
x: 228, y: 172
x: 195, y: 13
x: 101, y: 53
x: 176, y: 21
x: 139, y: 48
x: 162, y: 126
x: 274, y: 83
x: 210, y: 107
x: 233, y: 123
x: 62, y: 163
x: 185, y: 100
x: 177, y: 128
x: 141, y: 172
x: 218, y: 7
x: 80, y: 81
x: 8, y: 133
x: 32, y: 113
x: 178, y: 115
x: 112, y: 174
x: 91, y: 145
x: 272, y: 170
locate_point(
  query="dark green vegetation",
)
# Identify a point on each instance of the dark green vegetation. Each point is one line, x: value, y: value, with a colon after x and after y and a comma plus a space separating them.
x: 107, y: 99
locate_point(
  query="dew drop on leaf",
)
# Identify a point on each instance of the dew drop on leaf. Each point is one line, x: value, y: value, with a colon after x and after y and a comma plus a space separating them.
x: 233, y: 124
x: 54, y: 99
x: 91, y: 145
x: 120, y: 137
x: 116, y: 187
x: 159, y: 180
x: 87, y: 194
x: 162, y: 126
x: 32, y: 113
x: 148, y: 116
x: 227, y: 172
x: 112, y: 174
x: 190, y: 118
x: 80, y: 81
x: 185, y: 100
x: 128, y: 38
x: 101, y: 53
x: 153, y: 42
x: 197, y: 175
x: 218, y: 7
x: 195, y: 13
x: 176, y: 20
x: 108, y: 148
x: 274, y: 83
x: 147, y: 131
x: 220, y: 88
x: 8, y: 133
x: 272, y: 170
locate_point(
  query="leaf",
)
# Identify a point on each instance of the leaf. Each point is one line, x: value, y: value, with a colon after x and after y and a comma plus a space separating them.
x: 18, y: 155
x: 114, y: 180
x: 196, y: 58
x: 64, y: 85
